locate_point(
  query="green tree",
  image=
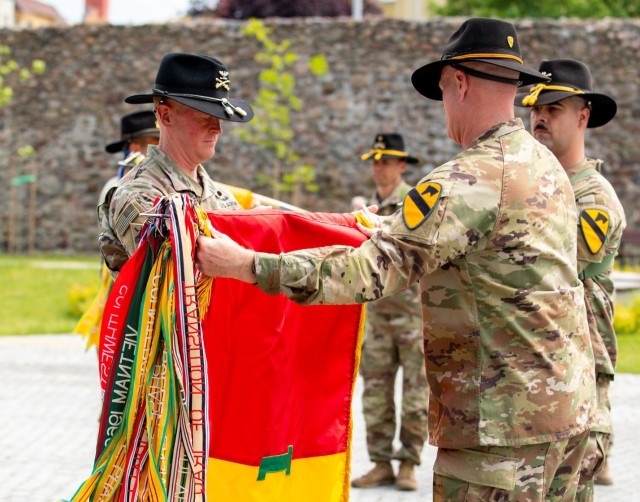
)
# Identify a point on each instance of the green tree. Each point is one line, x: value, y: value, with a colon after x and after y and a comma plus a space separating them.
x: 275, y: 102
x: 554, y: 9
x: 12, y: 74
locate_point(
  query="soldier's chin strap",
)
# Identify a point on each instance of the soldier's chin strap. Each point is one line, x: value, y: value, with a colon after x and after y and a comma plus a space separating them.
x: 487, y: 76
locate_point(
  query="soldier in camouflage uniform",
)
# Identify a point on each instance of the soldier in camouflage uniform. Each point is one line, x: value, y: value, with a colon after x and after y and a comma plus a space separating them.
x: 393, y: 339
x: 507, y: 348
x: 562, y: 110
x: 191, y: 98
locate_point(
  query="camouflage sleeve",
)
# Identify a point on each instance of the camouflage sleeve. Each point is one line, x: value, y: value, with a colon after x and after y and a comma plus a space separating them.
x: 333, y: 275
x: 113, y: 253
x: 601, y: 223
x: 125, y: 220
x: 393, y: 259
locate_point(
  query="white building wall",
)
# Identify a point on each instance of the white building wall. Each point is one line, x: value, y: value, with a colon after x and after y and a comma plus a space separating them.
x: 7, y: 13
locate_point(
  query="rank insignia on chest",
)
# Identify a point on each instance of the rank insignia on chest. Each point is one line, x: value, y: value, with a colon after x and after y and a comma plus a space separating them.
x: 594, y: 224
x: 419, y: 203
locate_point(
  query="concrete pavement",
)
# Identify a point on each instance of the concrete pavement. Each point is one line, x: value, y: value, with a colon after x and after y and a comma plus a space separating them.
x: 50, y: 402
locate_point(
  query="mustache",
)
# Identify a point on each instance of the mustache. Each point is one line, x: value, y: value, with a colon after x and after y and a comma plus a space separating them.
x: 540, y: 127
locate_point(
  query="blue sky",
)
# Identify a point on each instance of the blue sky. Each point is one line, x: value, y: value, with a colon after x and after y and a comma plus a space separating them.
x: 125, y: 11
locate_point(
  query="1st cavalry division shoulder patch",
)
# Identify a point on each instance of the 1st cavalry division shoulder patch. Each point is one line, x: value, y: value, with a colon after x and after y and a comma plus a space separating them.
x: 594, y: 224
x: 419, y: 203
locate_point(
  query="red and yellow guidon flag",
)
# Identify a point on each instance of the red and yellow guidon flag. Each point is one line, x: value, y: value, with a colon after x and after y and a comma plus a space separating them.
x: 240, y: 397
x: 281, y: 375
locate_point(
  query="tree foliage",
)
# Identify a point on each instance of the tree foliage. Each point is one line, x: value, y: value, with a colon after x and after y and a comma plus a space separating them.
x: 12, y: 74
x: 246, y: 9
x: 271, y: 128
x: 10, y: 70
x: 553, y: 9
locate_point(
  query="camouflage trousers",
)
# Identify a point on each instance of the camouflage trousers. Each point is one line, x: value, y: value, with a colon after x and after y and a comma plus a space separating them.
x: 387, y: 347
x: 535, y: 473
x: 598, y: 445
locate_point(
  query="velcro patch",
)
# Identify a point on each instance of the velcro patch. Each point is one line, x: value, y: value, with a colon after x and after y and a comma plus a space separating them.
x: 594, y: 224
x: 419, y: 203
x: 129, y: 214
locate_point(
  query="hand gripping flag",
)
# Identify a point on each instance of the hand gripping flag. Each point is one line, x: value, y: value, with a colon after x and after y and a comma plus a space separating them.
x: 251, y: 401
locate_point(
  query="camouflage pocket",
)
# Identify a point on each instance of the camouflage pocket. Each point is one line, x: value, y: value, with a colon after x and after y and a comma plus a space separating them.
x: 478, y: 468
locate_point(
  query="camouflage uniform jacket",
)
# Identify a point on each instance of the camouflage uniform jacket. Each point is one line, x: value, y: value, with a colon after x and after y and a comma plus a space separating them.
x: 507, y: 349
x: 156, y: 176
x: 600, y: 224
x: 404, y: 305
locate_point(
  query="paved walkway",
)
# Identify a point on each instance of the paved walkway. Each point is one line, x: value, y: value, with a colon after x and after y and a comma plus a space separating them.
x: 49, y: 406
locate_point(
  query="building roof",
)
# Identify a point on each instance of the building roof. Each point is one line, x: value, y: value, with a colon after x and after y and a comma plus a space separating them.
x: 36, y: 8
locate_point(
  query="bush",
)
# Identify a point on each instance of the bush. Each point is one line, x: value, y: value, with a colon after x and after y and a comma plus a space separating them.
x: 80, y: 298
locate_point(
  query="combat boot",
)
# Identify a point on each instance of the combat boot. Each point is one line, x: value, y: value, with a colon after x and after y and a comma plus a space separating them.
x: 381, y: 474
x: 604, y: 477
x: 406, y: 479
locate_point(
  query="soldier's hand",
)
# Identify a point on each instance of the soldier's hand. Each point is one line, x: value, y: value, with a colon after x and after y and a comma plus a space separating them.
x: 220, y: 256
x: 369, y: 212
x: 368, y: 215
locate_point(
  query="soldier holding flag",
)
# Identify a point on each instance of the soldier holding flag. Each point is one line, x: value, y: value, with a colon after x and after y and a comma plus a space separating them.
x: 507, y: 348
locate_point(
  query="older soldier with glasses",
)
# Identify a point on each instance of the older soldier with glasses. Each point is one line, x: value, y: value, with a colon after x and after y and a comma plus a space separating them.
x: 507, y: 349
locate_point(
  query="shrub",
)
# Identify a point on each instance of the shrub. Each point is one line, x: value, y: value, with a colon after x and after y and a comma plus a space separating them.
x: 80, y: 298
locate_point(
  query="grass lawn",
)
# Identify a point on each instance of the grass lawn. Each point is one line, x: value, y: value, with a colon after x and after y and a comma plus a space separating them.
x: 628, y: 354
x: 34, y: 299
x: 34, y: 292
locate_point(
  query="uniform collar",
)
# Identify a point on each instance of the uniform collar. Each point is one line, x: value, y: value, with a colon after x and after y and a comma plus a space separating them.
x: 179, y: 180
x: 576, y: 168
x: 498, y: 130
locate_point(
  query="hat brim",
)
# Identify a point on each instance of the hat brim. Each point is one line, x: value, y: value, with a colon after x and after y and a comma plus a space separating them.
x: 154, y: 132
x: 603, y: 108
x: 116, y: 146
x: 209, y: 107
x: 426, y: 79
x: 408, y: 159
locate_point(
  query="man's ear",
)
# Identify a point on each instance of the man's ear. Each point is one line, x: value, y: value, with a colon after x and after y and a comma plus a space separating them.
x: 163, y: 114
x: 462, y: 84
x: 583, y: 116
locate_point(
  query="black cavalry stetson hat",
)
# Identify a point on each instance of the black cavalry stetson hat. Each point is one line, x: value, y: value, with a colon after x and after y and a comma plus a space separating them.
x: 569, y: 77
x: 388, y: 146
x: 134, y: 125
x: 200, y: 82
x: 478, y: 39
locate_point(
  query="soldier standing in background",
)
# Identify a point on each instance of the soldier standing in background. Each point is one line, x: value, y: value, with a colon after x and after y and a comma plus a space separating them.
x: 507, y: 347
x: 393, y: 339
x: 138, y: 130
x: 561, y: 112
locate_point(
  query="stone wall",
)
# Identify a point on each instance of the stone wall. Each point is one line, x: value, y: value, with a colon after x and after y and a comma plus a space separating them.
x: 71, y: 112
